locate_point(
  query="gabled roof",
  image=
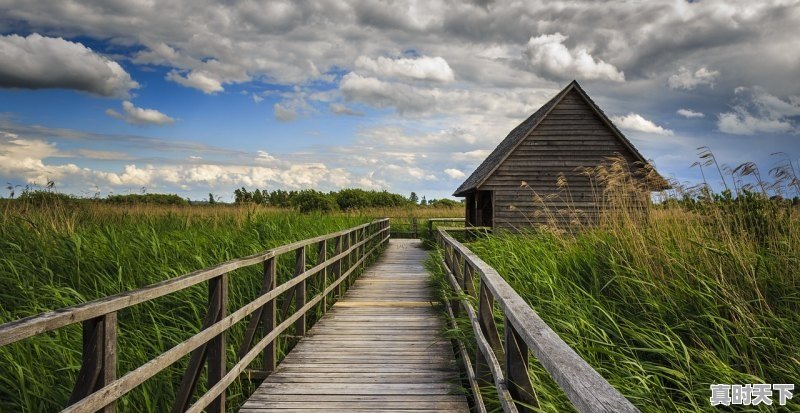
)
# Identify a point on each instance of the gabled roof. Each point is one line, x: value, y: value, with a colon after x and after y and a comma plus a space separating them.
x: 518, y: 134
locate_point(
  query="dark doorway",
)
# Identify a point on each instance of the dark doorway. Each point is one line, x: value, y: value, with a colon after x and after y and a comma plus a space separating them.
x: 484, y: 212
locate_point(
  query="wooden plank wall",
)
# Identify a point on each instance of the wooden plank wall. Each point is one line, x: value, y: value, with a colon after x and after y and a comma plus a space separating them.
x: 572, y: 136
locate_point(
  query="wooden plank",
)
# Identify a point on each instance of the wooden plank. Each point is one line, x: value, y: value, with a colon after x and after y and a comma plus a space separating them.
x: 350, y: 397
x: 315, y: 407
x: 410, y: 402
x: 380, y: 348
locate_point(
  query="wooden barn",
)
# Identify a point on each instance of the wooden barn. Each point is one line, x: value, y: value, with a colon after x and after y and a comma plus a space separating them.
x: 539, y: 167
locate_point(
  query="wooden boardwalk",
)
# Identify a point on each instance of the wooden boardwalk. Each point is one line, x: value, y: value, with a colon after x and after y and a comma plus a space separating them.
x: 379, y: 349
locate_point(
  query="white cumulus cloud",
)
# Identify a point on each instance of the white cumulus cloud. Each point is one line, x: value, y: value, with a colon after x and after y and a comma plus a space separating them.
x: 454, y: 173
x: 688, y: 113
x: 635, y: 122
x: 688, y: 80
x: 420, y: 68
x: 38, y: 62
x: 140, y: 116
x: 198, y: 80
x: 21, y: 157
x: 548, y: 55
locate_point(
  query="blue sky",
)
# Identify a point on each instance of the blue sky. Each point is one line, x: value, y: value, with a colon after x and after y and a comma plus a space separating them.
x: 192, y: 97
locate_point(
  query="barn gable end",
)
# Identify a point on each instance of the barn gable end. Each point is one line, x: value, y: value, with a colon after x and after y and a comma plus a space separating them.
x: 568, y: 133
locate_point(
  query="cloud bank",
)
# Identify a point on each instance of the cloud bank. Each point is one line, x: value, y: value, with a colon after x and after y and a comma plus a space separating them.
x: 38, y: 62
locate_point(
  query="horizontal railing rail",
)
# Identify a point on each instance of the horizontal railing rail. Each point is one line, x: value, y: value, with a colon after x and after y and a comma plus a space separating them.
x: 97, y: 388
x: 503, y: 363
x: 433, y: 221
x: 417, y: 227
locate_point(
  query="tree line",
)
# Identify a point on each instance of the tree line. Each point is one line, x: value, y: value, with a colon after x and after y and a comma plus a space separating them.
x: 304, y: 200
x: 346, y: 199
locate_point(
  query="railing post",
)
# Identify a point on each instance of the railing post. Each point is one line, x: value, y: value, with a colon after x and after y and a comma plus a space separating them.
x: 364, y: 249
x: 348, y: 257
x: 338, y: 265
x: 322, y: 276
x: 300, y: 291
x: 217, y: 362
x: 489, y: 330
x: 99, y: 365
x: 355, y: 257
x: 469, y: 276
x: 268, y: 315
x: 457, y: 267
x: 517, y: 379
x: 201, y: 355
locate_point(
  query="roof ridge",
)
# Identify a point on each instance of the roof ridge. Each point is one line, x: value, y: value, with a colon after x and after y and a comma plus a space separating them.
x: 516, y: 136
x: 508, y: 143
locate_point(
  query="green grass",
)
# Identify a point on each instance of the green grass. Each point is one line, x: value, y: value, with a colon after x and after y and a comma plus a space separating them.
x: 68, y: 251
x: 665, y: 306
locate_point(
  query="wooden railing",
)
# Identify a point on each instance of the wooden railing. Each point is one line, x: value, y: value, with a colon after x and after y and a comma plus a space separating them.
x: 414, y: 227
x: 503, y: 362
x: 433, y: 221
x: 97, y: 388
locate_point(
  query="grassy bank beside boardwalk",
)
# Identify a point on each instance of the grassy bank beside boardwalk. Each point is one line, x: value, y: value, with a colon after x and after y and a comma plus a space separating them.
x: 664, y: 304
x: 59, y: 254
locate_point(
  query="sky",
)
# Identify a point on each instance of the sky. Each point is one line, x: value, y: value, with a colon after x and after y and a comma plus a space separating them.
x: 196, y: 97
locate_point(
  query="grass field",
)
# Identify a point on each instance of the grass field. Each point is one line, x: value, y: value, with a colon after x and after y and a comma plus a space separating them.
x: 665, y: 303
x: 60, y: 254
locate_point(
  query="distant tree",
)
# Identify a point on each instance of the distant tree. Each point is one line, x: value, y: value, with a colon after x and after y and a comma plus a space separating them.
x: 279, y: 198
x: 258, y: 197
x: 242, y: 196
x: 310, y: 200
x: 413, y: 198
x: 349, y: 199
x: 423, y: 201
x: 211, y: 199
x: 386, y: 199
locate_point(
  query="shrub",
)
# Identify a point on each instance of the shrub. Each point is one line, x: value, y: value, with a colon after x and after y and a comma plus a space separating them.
x: 310, y: 200
x: 158, y: 199
x: 444, y: 203
x: 348, y: 199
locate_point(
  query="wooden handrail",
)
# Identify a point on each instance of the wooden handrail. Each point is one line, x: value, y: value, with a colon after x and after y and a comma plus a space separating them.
x: 586, y: 389
x: 432, y: 220
x: 97, y: 389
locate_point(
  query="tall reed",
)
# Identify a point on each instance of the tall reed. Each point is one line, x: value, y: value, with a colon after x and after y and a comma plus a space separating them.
x: 665, y: 299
